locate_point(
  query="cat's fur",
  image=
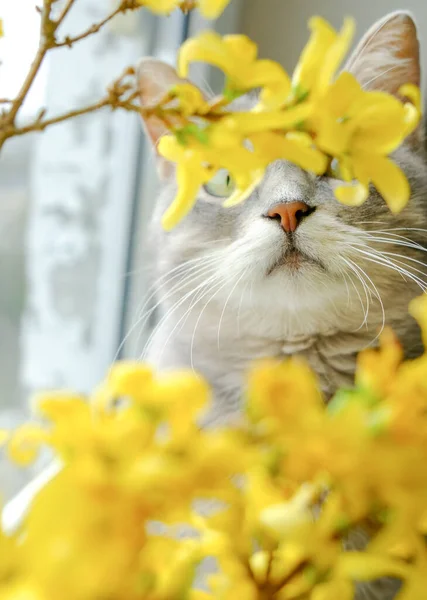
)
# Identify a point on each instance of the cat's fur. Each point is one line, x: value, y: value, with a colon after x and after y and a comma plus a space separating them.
x: 245, y: 300
x: 230, y: 292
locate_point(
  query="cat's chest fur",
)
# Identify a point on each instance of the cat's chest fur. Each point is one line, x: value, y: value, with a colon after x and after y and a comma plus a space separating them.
x: 222, y: 346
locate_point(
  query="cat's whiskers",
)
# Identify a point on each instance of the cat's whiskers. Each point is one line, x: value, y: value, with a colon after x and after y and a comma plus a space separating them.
x: 418, y: 229
x: 352, y: 267
x: 142, y: 316
x: 388, y: 233
x: 395, y: 255
x: 344, y: 275
x: 192, y: 263
x: 200, y: 293
x: 352, y: 273
x: 396, y: 242
x: 378, y: 258
x: 242, y: 297
x: 378, y: 296
x: 178, y: 304
x: 153, y: 290
x: 239, y: 279
x: 196, y: 269
x: 214, y: 294
x: 400, y: 262
x: 406, y: 270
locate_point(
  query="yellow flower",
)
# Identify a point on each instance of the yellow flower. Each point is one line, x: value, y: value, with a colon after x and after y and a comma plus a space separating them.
x: 176, y: 581
x: 418, y: 309
x: 387, y: 177
x: 199, y: 595
x: 23, y: 591
x: 312, y: 122
x: 413, y: 109
x: 129, y: 379
x: 338, y: 588
x: 377, y: 369
x: 197, y: 164
x: 191, y: 174
x: 25, y: 443
x: 211, y: 9
x: 145, y: 459
x: 274, y: 146
x: 321, y: 57
x: 412, y: 92
x: 360, y: 128
x: 273, y: 381
x: 1, y: 28
x: 365, y: 567
x: 244, y: 124
x: 236, y: 56
x: 161, y: 7
x: 190, y: 98
x: 286, y: 518
x: 242, y: 144
x: 416, y: 584
x: 259, y: 564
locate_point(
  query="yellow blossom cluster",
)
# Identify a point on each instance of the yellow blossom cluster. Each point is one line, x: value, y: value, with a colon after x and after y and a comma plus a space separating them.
x: 273, y: 500
x: 210, y: 9
x: 317, y: 120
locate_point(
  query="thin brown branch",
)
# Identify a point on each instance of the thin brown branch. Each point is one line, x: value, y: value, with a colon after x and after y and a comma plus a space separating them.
x: 120, y: 94
x: 41, y: 125
x: 69, y: 41
x: 124, y: 6
x: 68, y: 5
x: 48, y: 41
x: 46, y: 32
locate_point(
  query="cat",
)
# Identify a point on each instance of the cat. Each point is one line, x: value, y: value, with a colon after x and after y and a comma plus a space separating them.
x: 290, y: 271
x: 235, y: 285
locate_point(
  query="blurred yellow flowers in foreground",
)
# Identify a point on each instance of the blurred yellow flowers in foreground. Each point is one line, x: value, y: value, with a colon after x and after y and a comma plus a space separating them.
x: 248, y: 496
x: 315, y: 120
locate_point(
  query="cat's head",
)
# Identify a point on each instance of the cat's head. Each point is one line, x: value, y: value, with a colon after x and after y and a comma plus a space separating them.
x: 291, y: 242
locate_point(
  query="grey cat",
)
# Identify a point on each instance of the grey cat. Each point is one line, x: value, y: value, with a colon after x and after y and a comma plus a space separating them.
x: 291, y: 271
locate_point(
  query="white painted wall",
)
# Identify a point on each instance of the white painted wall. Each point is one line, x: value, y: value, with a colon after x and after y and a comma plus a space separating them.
x: 280, y: 26
x: 83, y: 186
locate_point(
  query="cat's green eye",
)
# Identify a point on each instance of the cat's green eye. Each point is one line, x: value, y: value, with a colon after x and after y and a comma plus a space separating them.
x: 221, y: 185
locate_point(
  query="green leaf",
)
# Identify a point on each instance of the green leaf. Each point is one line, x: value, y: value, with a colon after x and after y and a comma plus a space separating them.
x: 341, y: 400
x: 231, y: 94
x: 300, y: 94
x: 191, y: 130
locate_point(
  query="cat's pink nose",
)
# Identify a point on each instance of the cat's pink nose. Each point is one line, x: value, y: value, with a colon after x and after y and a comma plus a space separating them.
x: 289, y: 214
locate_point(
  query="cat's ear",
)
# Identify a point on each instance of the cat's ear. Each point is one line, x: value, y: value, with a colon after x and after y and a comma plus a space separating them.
x: 154, y: 78
x: 388, y: 56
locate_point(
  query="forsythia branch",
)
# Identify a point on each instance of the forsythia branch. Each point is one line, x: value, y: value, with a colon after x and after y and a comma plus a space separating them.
x: 124, y: 6
x: 119, y: 95
x: 48, y: 41
x: 65, y: 10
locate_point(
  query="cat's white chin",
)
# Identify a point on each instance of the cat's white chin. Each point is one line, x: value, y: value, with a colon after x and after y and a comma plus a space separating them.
x: 295, y: 261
